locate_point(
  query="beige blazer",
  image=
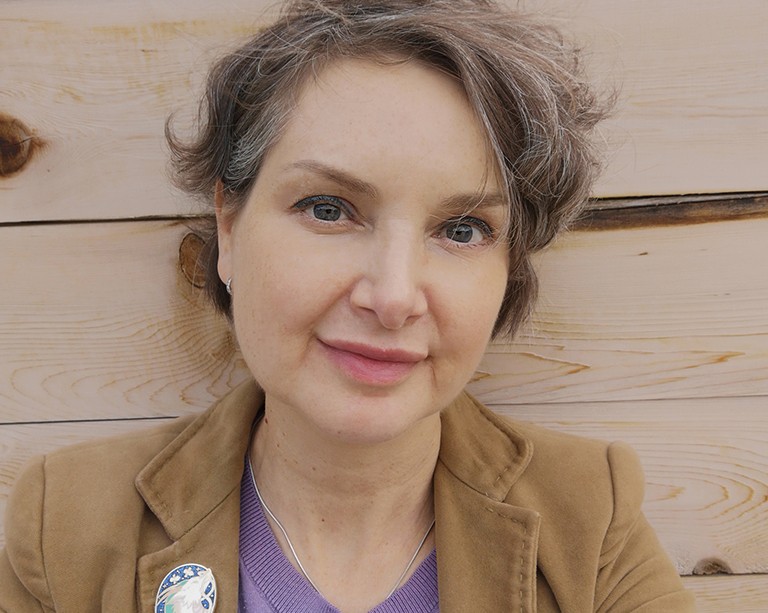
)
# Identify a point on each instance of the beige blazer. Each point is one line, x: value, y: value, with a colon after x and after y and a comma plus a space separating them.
x: 526, y: 519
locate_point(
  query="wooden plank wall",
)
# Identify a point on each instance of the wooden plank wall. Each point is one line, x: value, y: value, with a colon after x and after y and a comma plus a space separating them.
x: 653, y: 322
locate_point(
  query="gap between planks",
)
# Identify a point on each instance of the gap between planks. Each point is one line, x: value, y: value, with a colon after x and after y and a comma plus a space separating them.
x: 599, y: 214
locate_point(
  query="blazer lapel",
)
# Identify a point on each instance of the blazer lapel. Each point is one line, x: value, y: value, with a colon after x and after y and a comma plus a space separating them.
x: 487, y: 549
x: 212, y: 543
x: 193, y: 488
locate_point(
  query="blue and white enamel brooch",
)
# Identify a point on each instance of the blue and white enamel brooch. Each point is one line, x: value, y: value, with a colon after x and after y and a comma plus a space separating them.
x: 189, y: 588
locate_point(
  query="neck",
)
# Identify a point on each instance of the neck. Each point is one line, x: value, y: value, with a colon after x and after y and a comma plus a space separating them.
x: 349, y: 508
x: 347, y: 482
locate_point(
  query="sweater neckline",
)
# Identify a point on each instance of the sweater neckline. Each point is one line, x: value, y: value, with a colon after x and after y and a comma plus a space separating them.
x: 288, y: 591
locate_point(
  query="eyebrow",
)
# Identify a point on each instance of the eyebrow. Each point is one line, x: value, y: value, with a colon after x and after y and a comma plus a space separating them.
x: 464, y: 204
x: 459, y: 204
x: 338, y: 176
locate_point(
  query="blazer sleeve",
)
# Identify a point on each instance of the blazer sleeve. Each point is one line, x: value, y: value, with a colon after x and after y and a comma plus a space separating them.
x: 23, y: 583
x: 635, y: 575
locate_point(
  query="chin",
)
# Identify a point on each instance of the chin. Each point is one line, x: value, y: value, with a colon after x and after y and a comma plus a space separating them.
x: 368, y: 425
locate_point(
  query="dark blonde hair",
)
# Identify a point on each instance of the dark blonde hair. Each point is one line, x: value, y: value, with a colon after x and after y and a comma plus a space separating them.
x: 522, y: 80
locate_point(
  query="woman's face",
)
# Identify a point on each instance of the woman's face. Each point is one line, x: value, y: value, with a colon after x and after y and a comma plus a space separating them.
x: 363, y: 302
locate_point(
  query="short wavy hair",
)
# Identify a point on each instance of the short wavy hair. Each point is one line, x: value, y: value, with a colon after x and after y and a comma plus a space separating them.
x: 523, y: 81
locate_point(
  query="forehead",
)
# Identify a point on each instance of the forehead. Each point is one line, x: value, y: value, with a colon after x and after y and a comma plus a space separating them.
x: 398, y: 118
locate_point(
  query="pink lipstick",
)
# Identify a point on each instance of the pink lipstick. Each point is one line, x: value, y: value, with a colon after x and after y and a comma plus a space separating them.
x: 378, y: 366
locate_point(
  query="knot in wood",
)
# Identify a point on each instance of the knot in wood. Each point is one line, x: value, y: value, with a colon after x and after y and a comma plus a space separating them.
x: 16, y: 145
x: 712, y: 566
x: 189, y: 259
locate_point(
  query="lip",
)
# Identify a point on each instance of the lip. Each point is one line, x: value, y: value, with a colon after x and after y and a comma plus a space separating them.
x: 370, y: 365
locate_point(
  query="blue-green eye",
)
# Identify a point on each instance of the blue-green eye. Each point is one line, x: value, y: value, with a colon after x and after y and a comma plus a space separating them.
x: 467, y: 231
x: 323, y: 208
x: 326, y: 212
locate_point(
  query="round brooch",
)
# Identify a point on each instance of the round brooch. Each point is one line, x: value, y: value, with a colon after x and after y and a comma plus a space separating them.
x: 189, y: 588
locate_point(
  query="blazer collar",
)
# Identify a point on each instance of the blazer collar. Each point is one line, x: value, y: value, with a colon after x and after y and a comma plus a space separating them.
x: 193, y: 488
x: 487, y: 549
x: 212, y: 447
x: 480, y: 449
x: 477, y: 448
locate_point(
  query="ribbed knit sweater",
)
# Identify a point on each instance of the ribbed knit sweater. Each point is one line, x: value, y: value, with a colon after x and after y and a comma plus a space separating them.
x: 270, y: 584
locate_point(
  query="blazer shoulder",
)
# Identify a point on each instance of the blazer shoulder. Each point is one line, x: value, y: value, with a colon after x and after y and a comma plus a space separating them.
x: 22, y: 573
x: 579, y: 458
x: 592, y: 482
x: 94, y: 479
x: 131, y: 449
x: 68, y: 492
x: 535, y: 467
x: 66, y: 504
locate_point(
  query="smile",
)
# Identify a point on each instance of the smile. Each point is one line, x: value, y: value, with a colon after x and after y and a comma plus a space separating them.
x: 372, y: 365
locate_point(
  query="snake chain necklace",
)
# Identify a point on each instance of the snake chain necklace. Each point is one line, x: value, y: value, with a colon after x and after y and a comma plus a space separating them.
x: 296, y: 556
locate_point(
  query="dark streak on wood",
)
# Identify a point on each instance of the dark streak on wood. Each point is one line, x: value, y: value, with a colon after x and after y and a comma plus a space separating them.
x: 669, y: 211
x: 17, y: 145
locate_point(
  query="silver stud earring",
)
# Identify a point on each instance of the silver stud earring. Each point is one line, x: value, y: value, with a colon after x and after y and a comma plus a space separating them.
x: 229, y: 286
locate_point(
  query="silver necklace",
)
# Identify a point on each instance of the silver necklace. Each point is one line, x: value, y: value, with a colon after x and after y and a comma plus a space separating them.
x: 296, y: 556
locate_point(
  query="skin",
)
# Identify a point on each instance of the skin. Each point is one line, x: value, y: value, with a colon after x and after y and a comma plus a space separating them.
x: 363, y: 307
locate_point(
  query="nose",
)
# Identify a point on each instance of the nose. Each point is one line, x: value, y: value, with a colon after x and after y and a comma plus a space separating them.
x: 392, y: 283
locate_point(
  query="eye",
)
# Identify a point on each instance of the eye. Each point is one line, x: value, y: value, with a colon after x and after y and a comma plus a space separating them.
x: 467, y: 231
x: 326, y: 212
x: 326, y: 209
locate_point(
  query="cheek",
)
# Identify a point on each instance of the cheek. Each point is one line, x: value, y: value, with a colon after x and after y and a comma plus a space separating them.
x: 282, y: 286
x: 470, y: 310
x: 479, y: 298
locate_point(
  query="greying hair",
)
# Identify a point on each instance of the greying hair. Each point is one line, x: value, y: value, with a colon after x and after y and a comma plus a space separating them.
x: 522, y: 80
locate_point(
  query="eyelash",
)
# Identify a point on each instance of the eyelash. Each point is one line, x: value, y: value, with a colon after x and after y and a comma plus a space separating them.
x: 488, y: 232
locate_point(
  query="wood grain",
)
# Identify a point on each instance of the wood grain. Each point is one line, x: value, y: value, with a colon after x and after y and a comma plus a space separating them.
x: 693, y: 83
x: 95, y: 81
x: 736, y: 594
x: 662, y: 312
x: 97, y: 321
x: 654, y: 335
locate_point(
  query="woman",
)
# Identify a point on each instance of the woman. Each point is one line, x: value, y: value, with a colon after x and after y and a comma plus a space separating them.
x: 381, y: 173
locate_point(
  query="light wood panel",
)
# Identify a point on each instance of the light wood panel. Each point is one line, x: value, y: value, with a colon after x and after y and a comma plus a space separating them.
x: 93, y: 82
x: 693, y: 82
x: 724, y: 594
x: 96, y: 321
x: 662, y: 312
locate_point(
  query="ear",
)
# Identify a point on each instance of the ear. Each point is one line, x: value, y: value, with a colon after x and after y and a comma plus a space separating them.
x: 224, y: 223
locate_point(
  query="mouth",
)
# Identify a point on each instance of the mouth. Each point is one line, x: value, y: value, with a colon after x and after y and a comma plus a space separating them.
x: 369, y: 365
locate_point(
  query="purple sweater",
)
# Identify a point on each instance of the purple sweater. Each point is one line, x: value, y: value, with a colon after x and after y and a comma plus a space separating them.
x: 270, y: 584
